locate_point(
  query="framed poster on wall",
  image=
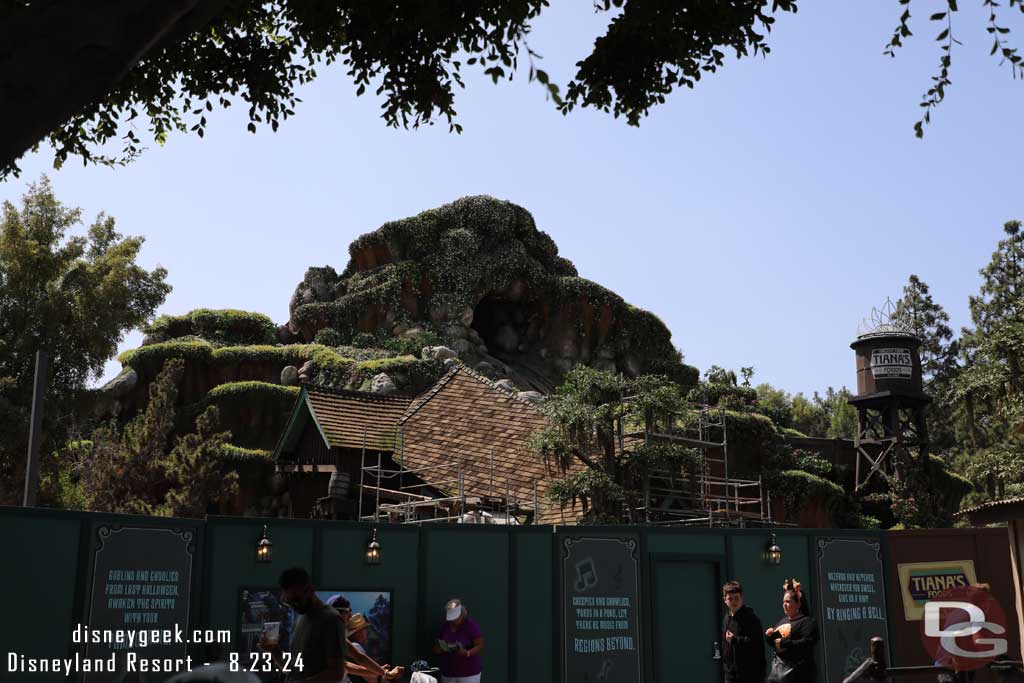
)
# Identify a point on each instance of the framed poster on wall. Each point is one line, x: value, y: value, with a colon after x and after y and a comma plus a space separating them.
x: 261, y: 609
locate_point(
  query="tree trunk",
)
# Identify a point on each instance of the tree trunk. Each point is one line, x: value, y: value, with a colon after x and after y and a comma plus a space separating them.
x: 972, y: 428
x: 58, y: 57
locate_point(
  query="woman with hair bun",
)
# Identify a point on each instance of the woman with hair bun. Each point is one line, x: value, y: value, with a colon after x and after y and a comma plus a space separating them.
x: 793, y: 639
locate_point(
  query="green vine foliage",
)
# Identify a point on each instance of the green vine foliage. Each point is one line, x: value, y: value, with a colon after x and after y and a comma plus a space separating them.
x: 227, y: 327
x: 584, y: 413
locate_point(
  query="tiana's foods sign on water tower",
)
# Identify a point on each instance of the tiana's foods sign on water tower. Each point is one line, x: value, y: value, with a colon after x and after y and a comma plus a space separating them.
x: 897, y: 363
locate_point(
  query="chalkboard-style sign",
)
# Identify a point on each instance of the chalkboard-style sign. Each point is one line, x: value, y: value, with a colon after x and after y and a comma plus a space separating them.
x: 851, y: 599
x: 600, y: 609
x: 140, y: 594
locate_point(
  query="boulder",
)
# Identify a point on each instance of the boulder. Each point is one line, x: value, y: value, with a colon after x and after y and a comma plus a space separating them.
x: 534, y: 397
x: 290, y: 375
x: 306, y: 371
x: 461, y: 346
x: 122, y: 384
x: 399, y: 329
x: 437, y: 353
x: 467, y: 316
x: 321, y: 289
x: 382, y: 384
x: 412, y: 331
x: 284, y: 334
x: 455, y: 332
x: 506, y: 384
x: 485, y: 369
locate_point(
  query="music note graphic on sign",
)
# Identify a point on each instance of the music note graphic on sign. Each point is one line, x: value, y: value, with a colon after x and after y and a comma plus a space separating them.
x: 606, y: 667
x: 586, y: 574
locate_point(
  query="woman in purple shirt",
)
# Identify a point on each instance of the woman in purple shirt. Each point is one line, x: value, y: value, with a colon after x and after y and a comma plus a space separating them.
x: 459, y: 643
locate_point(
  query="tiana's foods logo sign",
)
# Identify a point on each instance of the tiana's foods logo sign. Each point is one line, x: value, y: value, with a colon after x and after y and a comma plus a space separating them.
x: 924, y: 581
x: 924, y: 588
x: 892, y: 363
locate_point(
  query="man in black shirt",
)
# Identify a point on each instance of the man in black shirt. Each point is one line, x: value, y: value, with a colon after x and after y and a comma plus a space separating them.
x: 318, y: 639
x: 743, y: 657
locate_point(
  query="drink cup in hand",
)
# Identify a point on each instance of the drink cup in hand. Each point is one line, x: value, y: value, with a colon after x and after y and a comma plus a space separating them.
x: 784, y: 630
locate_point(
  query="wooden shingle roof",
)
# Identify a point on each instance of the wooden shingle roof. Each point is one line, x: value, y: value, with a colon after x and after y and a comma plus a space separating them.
x: 467, y: 418
x: 346, y: 419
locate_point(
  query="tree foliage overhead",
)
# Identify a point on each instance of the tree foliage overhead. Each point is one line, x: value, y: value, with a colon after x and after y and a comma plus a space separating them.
x: 995, y: 26
x: 85, y: 76
x: 411, y: 54
x: 74, y: 296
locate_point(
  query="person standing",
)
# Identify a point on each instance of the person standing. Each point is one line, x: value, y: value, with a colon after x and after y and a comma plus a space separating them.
x: 743, y: 659
x: 459, y: 643
x: 794, y: 639
x: 358, y: 663
x: 319, y: 635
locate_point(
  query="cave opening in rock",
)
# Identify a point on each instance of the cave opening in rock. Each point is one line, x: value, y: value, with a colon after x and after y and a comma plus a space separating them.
x: 502, y: 324
x: 511, y: 330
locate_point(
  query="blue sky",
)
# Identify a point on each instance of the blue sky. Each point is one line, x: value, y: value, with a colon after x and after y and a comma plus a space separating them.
x: 760, y: 215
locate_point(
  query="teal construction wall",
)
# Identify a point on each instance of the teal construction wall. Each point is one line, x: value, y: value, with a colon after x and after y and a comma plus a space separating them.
x: 507, y: 576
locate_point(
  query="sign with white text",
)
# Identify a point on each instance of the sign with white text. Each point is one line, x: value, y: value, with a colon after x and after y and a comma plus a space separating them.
x: 897, y: 363
x: 600, y: 609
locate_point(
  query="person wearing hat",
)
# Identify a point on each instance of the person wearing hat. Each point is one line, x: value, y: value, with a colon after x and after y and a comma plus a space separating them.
x: 459, y: 643
x: 356, y: 635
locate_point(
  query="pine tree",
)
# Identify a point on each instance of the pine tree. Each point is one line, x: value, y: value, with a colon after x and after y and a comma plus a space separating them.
x: 121, y: 472
x: 930, y: 323
x: 135, y: 469
x: 194, y: 471
x: 988, y: 389
x: 939, y: 350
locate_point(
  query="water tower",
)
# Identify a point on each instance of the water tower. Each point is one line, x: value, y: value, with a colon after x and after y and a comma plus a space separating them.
x: 891, y: 432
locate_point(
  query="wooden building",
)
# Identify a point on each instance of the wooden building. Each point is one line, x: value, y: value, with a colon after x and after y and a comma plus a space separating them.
x: 461, y: 446
x: 330, y: 434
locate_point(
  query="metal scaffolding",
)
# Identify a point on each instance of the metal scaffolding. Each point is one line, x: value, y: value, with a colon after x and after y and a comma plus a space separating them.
x: 436, y: 493
x: 709, y: 496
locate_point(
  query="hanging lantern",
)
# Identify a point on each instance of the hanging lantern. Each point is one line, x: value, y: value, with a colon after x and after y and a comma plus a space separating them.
x: 264, y: 547
x: 774, y: 551
x: 373, y: 550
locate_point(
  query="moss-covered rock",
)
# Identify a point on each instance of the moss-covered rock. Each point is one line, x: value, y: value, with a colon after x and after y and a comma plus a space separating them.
x: 479, y: 273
